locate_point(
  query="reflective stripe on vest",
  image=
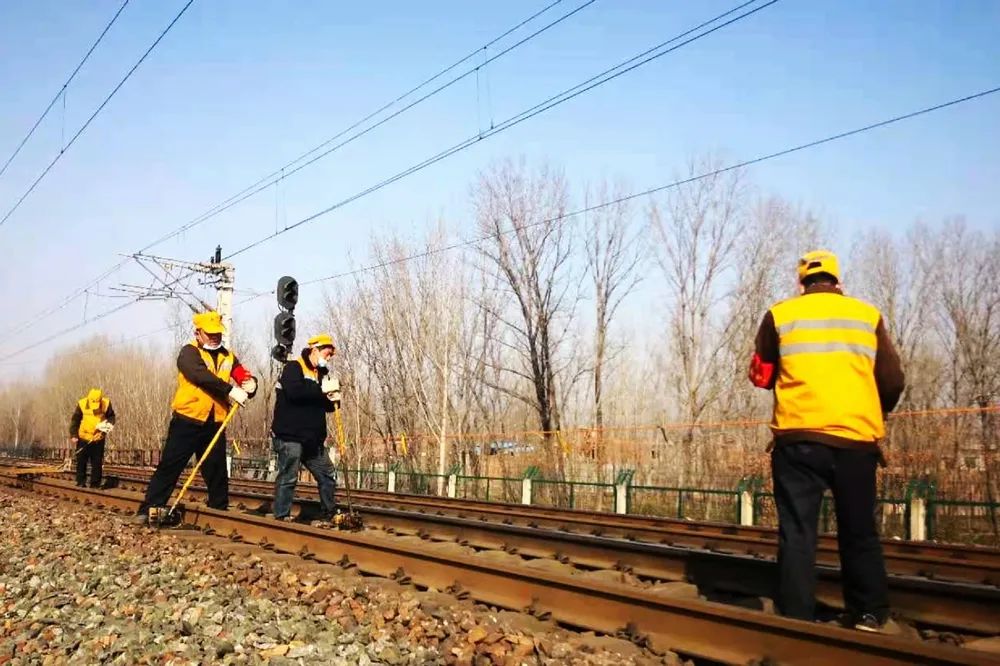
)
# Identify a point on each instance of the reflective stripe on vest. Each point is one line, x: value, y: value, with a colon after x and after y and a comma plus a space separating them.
x: 195, y: 403
x: 821, y: 347
x: 91, y: 417
x: 826, y: 381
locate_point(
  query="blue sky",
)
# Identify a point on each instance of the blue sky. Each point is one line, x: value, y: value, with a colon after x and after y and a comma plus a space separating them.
x: 239, y: 88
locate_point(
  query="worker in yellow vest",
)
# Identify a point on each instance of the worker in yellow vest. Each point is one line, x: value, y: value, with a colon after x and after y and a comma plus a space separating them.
x: 209, y: 379
x: 835, y: 375
x: 306, y: 392
x: 92, y: 420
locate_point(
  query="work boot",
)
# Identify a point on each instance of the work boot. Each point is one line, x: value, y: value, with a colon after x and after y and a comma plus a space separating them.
x: 870, y: 623
x: 140, y: 519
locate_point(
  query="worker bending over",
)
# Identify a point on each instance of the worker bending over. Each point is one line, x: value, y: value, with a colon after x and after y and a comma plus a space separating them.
x: 835, y: 376
x: 306, y: 392
x: 204, y: 371
x: 92, y: 420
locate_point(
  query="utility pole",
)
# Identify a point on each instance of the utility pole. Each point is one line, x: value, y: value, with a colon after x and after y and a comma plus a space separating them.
x: 225, y: 281
x: 167, y: 284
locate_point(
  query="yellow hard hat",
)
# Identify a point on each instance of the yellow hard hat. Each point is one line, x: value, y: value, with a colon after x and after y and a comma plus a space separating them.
x: 209, y: 322
x: 94, y: 396
x: 321, y: 340
x: 819, y: 261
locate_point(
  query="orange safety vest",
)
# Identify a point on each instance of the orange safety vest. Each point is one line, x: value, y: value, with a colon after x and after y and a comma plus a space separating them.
x: 91, y: 417
x: 193, y: 402
x: 826, y: 372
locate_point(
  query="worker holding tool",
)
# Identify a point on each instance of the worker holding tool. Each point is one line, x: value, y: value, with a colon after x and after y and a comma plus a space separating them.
x: 835, y: 376
x: 306, y: 392
x: 200, y: 406
x: 92, y: 420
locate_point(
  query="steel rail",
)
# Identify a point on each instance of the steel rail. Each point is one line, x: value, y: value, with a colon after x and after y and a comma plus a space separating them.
x: 953, y: 606
x: 948, y: 562
x: 692, y: 628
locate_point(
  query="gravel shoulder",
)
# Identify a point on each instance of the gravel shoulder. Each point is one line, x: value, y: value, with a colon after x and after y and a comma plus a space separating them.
x: 80, y: 586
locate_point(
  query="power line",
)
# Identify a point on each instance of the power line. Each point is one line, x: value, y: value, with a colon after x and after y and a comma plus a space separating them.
x: 95, y: 114
x: 607, y: 75
x: 75, y: 327
x: 653, y: 190
x: 269, y: 180
x: 17, y: 328
x: 581, y: 211
x: 117, y: 343
x: 62, y: 91
x: 294, y: 166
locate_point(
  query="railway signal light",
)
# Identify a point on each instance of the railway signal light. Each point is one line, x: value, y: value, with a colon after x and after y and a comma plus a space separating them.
x: 288, y: 293
x: 284, y: 329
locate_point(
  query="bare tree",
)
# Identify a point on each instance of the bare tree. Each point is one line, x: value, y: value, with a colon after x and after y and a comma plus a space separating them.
x: 776, y: 234
x: 969, y: 325
x: 900, y: 277
x: 613, y: 261
x: 696, y: 233
x: 529, y: 245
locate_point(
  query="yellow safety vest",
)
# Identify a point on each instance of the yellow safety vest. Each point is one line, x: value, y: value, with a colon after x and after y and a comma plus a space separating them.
x: 193, y: 402
x: 306, y: 372
x: 826, y: 378
x: 91, y: 417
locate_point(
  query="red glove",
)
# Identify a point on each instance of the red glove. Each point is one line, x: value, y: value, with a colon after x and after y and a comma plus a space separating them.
x: 240, y: 374
x: 761, y: 373
x: 244, y: 380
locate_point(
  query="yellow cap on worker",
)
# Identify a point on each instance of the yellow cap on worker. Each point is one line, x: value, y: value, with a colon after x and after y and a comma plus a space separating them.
x: 819, y: 261
x: 94, y: 396
x: 210, y: 322
x: 321, y: 340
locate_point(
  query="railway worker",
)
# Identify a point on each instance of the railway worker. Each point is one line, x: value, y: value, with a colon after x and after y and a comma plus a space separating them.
x: 835, y: 376
x: 92, y: 420
x: 306, y: 392
x: 205, y: 370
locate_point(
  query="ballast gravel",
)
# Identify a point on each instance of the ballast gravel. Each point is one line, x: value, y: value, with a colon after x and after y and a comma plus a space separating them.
x: 83, y: 586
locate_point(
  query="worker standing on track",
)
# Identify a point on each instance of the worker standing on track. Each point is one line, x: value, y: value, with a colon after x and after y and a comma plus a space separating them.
x: 306, y: 392
x: 93, y: 419
x: 835, y: 375
x: 200, y: 404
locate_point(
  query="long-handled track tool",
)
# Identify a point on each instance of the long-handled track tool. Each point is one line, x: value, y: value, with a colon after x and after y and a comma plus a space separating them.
x: 160, y: 516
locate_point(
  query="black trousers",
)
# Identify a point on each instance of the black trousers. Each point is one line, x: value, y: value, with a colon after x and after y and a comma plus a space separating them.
x: 185, y: 439
x: 92, y: 453
x: 802, y: 471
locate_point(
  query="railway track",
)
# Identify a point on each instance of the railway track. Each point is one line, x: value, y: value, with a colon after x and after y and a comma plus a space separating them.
x: 736, y: 577
x: 684, y: 625
x: 933, y: 561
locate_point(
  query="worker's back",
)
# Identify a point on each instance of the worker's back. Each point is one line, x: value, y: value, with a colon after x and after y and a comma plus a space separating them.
x: 826, y: 383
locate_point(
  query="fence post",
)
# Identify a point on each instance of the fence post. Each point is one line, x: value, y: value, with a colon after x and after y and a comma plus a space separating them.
x: 229, y: 466
x: 392, y: 481
x: 621, y: 498
x: 918, y: 518
x: 452, y: 485
x: 746, y: 507
x: 526, y: 491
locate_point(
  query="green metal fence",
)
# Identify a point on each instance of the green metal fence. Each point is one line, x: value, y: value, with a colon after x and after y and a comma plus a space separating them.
x: 585, y: 495
x: 685, y: 503
x: 963, y: 521
x: 488, y: 488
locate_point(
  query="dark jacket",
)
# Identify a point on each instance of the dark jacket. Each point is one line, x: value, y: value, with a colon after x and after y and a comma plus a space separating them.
x: 889, y: 378
x: 300, y: 406
x: 74, y: 423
